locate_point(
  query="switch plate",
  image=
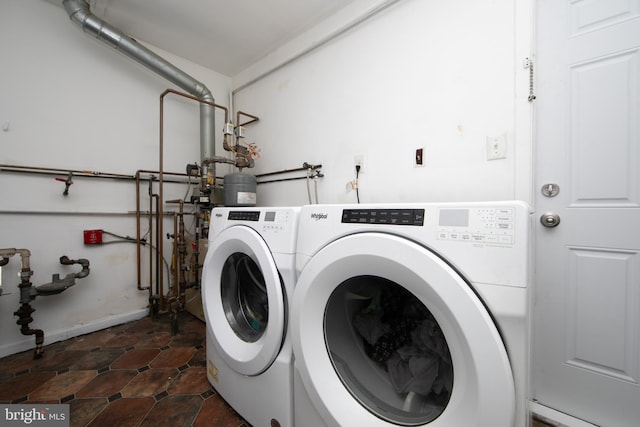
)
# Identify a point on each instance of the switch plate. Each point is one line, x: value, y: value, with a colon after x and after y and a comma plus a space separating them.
x: 496, y: 147
x: 419, y: 158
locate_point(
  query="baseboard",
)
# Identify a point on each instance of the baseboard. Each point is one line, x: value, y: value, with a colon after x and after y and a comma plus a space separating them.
x: 556, y: 418
x: 50, y: 337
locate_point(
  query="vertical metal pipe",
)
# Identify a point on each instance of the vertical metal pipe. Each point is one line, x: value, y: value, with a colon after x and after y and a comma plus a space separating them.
x: 150, y: 192
x: 159, y: 258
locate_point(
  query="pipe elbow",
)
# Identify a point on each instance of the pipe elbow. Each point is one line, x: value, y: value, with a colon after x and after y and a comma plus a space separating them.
x: 84, y: 263
x: 25, y: 254
x: 85, y: 269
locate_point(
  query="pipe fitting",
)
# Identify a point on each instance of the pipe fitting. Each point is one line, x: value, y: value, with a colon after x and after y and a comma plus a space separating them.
x: 28, y: 292
x: 67, y: 183
x: 25, y: 254
x: 24, y: 318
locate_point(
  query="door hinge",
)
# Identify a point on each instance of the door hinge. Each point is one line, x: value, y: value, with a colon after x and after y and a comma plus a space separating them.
x: 528, y: 63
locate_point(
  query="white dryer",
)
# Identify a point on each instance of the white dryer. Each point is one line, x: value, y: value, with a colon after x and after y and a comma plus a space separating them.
x: 247, y: 285
x: 412, y: 315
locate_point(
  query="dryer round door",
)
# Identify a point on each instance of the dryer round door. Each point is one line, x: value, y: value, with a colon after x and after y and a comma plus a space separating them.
x: 386, y: 333
x: 244, y: 300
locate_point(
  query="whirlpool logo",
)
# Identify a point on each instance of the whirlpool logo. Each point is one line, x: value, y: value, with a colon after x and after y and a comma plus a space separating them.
x: 318, y: 216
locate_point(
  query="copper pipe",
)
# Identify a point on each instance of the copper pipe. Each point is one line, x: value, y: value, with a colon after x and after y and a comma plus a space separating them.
x: 175, y: 255
x: 56, y: 171
x: 138, y: 237
x: 288, y: 171
x: 175, y: 245
x: 182, y: 252
x: 179, y: 252
x: 53, y: 172
x: 160, y: 218
x: 186, y: 95
x: 240, y: 113
x: 150, y: 228
x: 161, y: 176
x: 270, y: 181
x: 205, y: 162
x: 179, y: 243
x: 138, y: 224
x: 81, y: 174
x: 159, y: 256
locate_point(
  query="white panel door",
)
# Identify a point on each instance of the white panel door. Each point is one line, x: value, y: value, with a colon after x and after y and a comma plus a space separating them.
x: 586, y: 360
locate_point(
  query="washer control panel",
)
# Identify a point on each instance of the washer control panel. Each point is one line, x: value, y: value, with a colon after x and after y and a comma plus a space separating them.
x: 493, y: 225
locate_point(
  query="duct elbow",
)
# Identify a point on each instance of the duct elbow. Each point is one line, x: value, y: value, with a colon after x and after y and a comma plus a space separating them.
x: 203, y: 93
x: 81, y: 15
x: 78, y: 10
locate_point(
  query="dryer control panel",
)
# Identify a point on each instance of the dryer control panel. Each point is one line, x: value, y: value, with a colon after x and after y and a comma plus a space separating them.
x: 384, y: 216
x: 486, y: 240
x: 494, y: 225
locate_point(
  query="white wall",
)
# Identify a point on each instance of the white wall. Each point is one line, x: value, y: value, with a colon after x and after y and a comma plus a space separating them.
x: 442, y: 75
x: 69, y: 101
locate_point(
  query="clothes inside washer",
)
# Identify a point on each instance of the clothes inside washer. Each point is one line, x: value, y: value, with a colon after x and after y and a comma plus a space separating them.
x: 401, y: 335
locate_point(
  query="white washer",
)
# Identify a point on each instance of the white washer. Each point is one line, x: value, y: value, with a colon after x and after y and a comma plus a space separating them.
x: 247, y: 285
x: 412, y: 315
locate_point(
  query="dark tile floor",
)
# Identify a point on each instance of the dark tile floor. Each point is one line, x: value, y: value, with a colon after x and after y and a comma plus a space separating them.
x: 135, y: 374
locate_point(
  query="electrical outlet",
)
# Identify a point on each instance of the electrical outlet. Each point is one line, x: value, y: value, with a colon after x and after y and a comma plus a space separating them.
x: 359, y: 161
x: 496, y: 147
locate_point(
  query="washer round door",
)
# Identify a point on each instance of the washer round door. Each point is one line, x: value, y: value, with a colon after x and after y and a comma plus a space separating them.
x: 386, y: 333
x: 244, y: 300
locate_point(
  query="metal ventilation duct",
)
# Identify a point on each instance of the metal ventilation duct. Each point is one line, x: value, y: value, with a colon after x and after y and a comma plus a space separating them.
x: 80, y: 14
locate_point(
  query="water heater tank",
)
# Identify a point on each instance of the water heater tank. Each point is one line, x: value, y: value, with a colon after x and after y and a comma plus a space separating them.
x: 239, y: 189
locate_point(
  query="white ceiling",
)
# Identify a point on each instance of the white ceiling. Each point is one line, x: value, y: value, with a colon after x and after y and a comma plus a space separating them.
x: 224, y: 35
